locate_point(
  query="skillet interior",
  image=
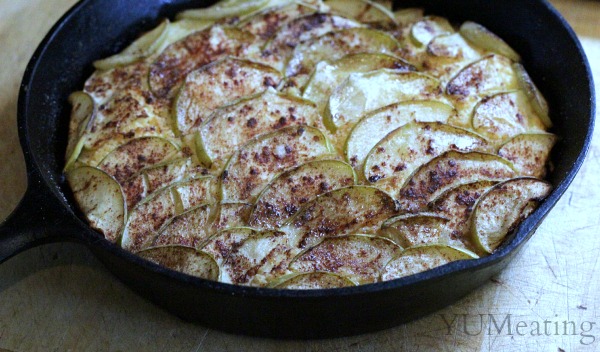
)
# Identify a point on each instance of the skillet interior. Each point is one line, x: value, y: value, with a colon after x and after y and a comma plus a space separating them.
x: 550, y: 52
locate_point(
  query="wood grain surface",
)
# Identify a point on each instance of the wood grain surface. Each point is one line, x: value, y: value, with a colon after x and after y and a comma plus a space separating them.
x: 59, y: 297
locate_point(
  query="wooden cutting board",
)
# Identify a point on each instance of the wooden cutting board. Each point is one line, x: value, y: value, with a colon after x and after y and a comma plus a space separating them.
x: 59, y: 298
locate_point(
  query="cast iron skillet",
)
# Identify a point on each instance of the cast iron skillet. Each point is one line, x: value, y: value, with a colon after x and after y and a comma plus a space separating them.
x: 94, y: 29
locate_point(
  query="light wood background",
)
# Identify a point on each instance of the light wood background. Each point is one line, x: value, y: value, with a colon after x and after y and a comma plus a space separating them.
x: 59, y: 298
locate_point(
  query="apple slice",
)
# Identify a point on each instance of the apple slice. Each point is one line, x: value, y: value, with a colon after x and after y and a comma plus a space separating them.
x: 232, y: 215
x: 335, y: 45
x: 356, y: 209
x: 448, y: 171
x: 290, y: 190
x: 183, y: 259
x: 82, y: 113
x: 267, y: 22
x: 501, y: 210
x: 491, y: 74
x: 506, y: 115
x: 139, y: 153
x: 484, y: 38
x: 256, y: 164
x: 222, y: 244
x: 529, y: 153
x: 100, y: 198
x: 357, y: 257
x: 192, y: 52
x: 225, y: 9
x: 189, y: 229
x: 406, y: 17
x: 372, y: 128
x: 233, y: 126
x: 149, y: 216
x: 311, y: 281
x: 143, y: 47
x: 402, y: 151
x: 217, y: 84
x: 417, y: 229
x: 364, y: 11
x: 428, y: 28
x: 447, y: 55
x: 457, y: 205
x: 260, y: 253
x: 537, y: 100
x: 363, y: 93
x: 419, y: 259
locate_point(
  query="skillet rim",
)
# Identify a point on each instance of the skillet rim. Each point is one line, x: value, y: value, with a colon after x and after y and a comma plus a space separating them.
x: 94, y: 240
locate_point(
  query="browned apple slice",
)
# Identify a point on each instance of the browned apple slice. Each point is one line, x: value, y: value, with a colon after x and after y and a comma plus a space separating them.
x: 404, y: 150
x: 311, y: 281
x: 218, y: 84
x: 292, y: 189
x: 448, y: 171
x: 419, y: 259
x: 233, y: 126
x: 417, y: 229
x: 261, y: 160
x: 506, y: 115
x: 357, y: 257
x: 364, y: 11
x: 491, y: 74
x: 128, y: 159
x: 501, y: 210
x: 190, y: 229
x: 356, y: 209
x: 183, y: 259
x: 529, y: 153
x: 100, y: 198
x: 266, y: 23
x: 457, y: 205
x: 375, y: 126
x: 194, y: 51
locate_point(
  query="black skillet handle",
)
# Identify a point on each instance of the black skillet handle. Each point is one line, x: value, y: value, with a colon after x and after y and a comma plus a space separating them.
x: 38, y: 219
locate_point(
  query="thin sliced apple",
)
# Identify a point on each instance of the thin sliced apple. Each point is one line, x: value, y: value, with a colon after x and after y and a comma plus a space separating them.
x: 82, y: 113
x: 183, y: 259
x: 335, y: 45
x: 292, y: 189
x: 192, y: 52
x: 222, y: 244
x: 372, y: 128
x: 235, y: 125
x: 304, y: 28
x: 412, y: 230
x: 329, y: 75
x: 457, y: 205
x: 447, y: 55
x: 537, y: 100
x: 489, y: 75
x: 363, y: 93
x: 357, y: 257
x: 506, y: 115
x: 484, y: 38
x: 405, y: 17
x: 311, y: 281
x: 143, y: 47
x: 501, y: 210
x: 404, y: 150
x: 428, y: 28
x: 448, y: 171
x: 149, y: 216
x: 260, y: 253
x: 220, y: 83
x: 139, y: 153
x: 189, y: 229
x: 364, y: 11
x: 232, y: 215
x: 419, y: 259
x: 266, y: 23
x: 356, y: 209
x: 529, y: 153
x: 100, y: 198
x: 257, y: 163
